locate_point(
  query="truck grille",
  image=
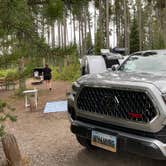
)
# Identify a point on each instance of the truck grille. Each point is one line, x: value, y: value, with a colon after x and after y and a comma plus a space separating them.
x: 117, y: 103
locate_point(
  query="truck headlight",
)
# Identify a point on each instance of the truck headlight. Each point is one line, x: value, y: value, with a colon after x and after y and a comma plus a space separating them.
x: 75, y: 87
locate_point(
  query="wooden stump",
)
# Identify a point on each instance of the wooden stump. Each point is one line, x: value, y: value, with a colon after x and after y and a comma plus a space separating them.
x: 11, y: 150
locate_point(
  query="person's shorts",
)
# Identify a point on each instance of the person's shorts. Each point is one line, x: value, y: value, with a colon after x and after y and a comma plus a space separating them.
x: 47, y: 77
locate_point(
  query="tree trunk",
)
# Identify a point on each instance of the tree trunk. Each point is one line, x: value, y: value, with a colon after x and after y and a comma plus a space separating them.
x: 59, y: 34
x: 48, y: 34
x: 126, y: 28
x: 82, y: 35
x: 100, y: 23
x: 89, y: 27
x: 85, y: 31
x: 62, y: 36
x: 53, y: 34
x: 11, y: 150
x: 22, y: 84
x: 65, y: 29
x: 80, y: 39
x: 139, y: 8
x: 118, y: 31
x: 117, y: 22
x: 74, y: 28
x: 95, y: 25
x: 43, y: 27
x: 150, y: 33
x: 107, y: 24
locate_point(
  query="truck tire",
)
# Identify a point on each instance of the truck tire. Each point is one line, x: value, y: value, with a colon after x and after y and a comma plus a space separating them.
x: 85, y: 142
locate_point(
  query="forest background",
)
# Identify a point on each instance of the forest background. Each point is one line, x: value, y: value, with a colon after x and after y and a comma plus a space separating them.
x: 59, y: 32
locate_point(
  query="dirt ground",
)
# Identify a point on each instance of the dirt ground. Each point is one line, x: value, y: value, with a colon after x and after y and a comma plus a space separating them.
x: 46, y: 140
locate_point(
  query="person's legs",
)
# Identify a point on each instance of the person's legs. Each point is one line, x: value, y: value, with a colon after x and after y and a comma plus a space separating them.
x: 46, y: 82
x: 49, y: 84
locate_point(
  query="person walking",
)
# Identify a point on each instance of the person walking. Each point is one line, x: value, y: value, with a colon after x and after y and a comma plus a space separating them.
x: 47, y: 76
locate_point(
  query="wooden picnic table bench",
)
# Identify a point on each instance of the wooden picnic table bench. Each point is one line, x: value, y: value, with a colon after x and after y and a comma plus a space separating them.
x: 7, y: 85
x: 2, y: 83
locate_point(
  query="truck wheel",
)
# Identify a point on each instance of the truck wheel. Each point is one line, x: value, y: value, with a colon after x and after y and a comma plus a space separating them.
x: 85, y: 142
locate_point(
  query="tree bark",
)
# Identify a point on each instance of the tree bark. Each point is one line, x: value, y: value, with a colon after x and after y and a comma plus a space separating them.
x: 100, y: 23
x: 11, y: 150
x: 74, y: 28
x: 85, y: 31
x: 53, y: 34
x: 62, y: 36
x: 107, y: 24
x: 95, y: 25
x: 43, y: 27
x: 65, y: 30
x: 117, y: 22
x: 48, y: 34
x: 80, y: 39
x: 139, y: 8
x: 125, y: 27
x: 22, y: 84
x: 82, y: 35
x: 89, y: 27
x: 150, y: 33
x: 59, y: 34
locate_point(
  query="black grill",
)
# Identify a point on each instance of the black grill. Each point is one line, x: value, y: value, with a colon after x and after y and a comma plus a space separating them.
x: 118, y: 103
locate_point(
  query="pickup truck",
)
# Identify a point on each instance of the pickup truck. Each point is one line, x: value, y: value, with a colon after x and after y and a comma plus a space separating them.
x: 123, y: 110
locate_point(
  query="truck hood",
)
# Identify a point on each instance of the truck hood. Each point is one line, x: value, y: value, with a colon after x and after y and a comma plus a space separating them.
x: 121, y: 77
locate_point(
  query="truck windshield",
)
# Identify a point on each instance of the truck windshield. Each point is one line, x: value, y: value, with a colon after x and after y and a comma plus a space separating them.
x: 146, y: 63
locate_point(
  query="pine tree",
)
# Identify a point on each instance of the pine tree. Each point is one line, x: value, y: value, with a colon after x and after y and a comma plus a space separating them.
x: 134, y: 37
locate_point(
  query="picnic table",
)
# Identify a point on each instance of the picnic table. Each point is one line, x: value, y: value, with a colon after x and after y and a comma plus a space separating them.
x: 27, y: 93
x: 2, y: 83
x: 6, y: 85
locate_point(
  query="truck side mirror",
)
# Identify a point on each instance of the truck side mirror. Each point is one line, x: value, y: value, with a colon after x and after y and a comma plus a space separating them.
x: 115, y: 67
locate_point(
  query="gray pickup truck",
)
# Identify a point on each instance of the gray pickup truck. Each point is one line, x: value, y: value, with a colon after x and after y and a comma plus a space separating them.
x: 125, y: 109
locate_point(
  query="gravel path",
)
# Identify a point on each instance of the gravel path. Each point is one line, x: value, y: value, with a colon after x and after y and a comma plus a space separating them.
x: 46, y: 140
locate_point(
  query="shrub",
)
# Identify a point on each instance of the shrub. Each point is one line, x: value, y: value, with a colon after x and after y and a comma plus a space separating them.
x: 5, y: 110
x: 12, y: 76
x: 28, y: 70
x: 9, y: 73
x: 68, y: 73
x: 55, y: 73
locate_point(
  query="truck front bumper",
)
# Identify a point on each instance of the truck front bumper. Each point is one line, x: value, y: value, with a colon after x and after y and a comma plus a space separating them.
x: 126, y: 142
x: 144, y: 146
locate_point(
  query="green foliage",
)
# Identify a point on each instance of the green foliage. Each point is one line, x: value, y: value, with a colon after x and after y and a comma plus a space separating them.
x: 29, y: 68
x: 3, y: 73
x: 19, y: 32
x: 19, y: 93
x: 68, y: 73
x: 98, y: 45
x: 12, y: 76
x: 9, y: 74
x: 134, y: 37
x: 5, y: 114
x: 54, y: 10
x: 160, y: 42
x: 88, y: 41
x: 158, y: 37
